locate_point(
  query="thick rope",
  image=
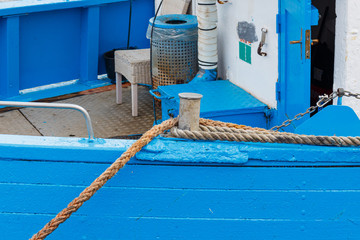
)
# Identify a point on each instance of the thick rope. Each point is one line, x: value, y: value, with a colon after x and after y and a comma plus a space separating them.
x: 208, y: 122
x: 227, y: 132
x: 210, y: 130
x: 103, y: 178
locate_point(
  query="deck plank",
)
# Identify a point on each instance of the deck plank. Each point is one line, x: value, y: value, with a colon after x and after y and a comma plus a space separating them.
x: 13, y: 122
x: 109, y: 119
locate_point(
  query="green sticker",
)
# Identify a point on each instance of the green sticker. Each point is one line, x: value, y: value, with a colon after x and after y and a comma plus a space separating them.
x: 245, y: 52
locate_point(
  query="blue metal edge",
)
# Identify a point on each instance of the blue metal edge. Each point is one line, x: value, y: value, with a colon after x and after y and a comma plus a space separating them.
x: 29, y: 6
x: 172, y: 151
x: 61, y: 149
x: 58, y: 91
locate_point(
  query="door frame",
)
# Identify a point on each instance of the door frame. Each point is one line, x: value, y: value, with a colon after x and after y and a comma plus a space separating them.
x: 283, y: 86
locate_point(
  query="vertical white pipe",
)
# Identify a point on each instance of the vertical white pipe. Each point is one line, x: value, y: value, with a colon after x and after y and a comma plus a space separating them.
x: 207, y: 46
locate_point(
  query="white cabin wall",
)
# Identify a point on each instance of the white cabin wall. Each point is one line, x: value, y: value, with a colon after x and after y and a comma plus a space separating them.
x: 258, y: 78
x: 347, y: 50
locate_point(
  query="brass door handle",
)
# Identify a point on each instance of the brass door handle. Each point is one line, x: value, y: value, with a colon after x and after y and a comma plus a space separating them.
x: 308, y: 43
x: 299, y: 42
x: 314, y: 42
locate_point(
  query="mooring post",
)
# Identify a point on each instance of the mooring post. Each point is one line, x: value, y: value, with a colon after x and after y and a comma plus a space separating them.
x: 189, y: 114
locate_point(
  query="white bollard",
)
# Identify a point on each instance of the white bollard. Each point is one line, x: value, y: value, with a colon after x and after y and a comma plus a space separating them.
x: 189, y: 113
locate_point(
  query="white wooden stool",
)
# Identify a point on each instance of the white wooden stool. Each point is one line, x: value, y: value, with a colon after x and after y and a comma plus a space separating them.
x: 135, y: 66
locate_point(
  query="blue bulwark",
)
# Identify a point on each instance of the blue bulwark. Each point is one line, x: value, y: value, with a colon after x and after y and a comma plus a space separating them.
x: 256, y: 191
x: 223, y: 101
x: 49, y: 42
x: 332, y: 121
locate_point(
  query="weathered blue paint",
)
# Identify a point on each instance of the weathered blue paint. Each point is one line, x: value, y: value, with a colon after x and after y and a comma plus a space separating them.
x: 332, y: 121
x: 222, y: 100
x: 179, y: 151
x: 60, y: 149
x: 295, y: 17
x: 176, y: 151
x: 53, y: 41
x: 173, y: 189
x: 180, y: 202
x: 254, y: 192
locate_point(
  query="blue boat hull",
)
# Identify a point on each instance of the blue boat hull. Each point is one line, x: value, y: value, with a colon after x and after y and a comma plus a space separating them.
x: 173, y: 200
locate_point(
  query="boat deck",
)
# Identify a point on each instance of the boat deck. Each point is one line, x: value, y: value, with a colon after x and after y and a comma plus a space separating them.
x: 110, y: 120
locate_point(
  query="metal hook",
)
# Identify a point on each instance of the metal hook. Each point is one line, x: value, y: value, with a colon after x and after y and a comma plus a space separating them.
x: 262, y: 43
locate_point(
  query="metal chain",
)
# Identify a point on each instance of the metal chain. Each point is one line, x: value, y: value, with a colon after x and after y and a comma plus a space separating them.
x: 324, y: 99
x: 349, y: 94
x: 297, y: 117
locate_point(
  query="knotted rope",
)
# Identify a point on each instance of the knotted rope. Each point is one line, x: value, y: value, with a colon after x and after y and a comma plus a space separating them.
x: 103, y: 178
x: 212, y: 130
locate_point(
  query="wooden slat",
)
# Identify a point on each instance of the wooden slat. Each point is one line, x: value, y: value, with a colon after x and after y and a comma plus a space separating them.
x: 22, y: 226
x: 182, y: 202
x: 182, y: 177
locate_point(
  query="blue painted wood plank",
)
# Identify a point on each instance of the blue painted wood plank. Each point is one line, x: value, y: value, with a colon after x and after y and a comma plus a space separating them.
x: 171, y: 151
x: 136, y: 202
x: 21, y: 226
x: 190, y: 177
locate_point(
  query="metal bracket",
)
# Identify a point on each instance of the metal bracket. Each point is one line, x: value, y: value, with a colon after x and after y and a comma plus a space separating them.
x: 262, y: 43
x: 308, y: 44
x: 159, y: 97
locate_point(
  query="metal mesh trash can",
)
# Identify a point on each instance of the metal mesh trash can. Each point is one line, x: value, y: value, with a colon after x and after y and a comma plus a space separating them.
x: 174, y: 49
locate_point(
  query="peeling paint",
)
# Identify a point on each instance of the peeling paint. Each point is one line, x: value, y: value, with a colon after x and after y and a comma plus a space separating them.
x: 247, y: 32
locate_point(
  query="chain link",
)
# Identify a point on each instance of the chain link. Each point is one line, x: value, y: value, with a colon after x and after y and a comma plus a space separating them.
x: 296, y: 118
x: 324, y: 99
x: 349, y: 94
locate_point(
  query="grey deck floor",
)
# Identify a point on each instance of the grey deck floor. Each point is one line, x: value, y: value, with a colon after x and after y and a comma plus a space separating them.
x: 109, y: 119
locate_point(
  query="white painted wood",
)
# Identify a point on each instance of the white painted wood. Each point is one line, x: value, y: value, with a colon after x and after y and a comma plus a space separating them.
x: 134, y: 99
x: 175, y: 7
x: 347, y: 50
x: 118, y: 88
x: 258, y: 78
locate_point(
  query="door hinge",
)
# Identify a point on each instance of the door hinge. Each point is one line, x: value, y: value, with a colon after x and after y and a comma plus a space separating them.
x: 278, y: 96
x: 278, y: 23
